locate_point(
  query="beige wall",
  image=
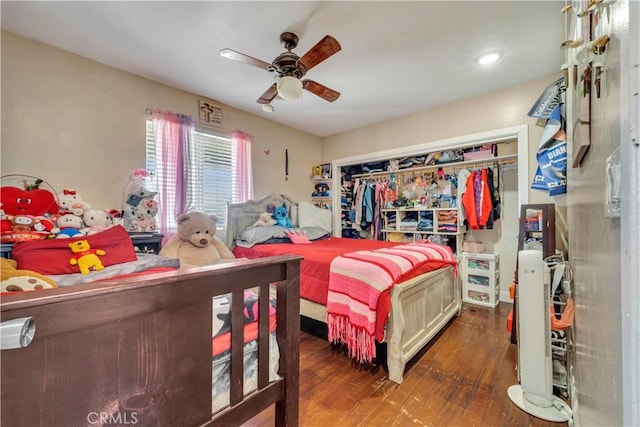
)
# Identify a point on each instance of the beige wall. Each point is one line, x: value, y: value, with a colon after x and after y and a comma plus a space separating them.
x: 77, y: 123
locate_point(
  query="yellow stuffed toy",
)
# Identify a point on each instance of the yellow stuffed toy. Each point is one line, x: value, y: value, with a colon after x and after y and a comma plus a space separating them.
x: 13, y: 280
x: 85, y: 257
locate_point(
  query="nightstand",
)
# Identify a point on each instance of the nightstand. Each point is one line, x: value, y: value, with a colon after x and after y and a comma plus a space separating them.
x: 146, y: 243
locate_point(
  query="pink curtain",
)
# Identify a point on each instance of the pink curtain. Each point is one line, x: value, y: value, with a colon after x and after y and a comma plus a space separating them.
x: 241, y: 165
x: 173, y: 135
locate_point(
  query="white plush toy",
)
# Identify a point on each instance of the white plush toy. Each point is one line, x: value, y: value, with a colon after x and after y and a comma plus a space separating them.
x: 266, y: 219
x: 69, y: 201
x: 68, y: 225
x: 96, y: 221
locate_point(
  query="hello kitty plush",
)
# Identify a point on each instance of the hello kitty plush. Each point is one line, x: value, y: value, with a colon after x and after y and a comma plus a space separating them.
x: 96, y: 221
x: 69, y: 201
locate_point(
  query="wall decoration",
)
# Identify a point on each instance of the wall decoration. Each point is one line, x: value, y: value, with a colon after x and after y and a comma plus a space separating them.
x: 326, y: 170
x: 209, y: 113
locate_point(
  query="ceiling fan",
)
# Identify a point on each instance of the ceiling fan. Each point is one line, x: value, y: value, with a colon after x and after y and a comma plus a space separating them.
x: 289, y: 69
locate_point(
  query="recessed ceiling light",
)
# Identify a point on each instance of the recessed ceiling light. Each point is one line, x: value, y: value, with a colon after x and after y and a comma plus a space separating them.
x: 268, y: 108
x: 489, y: 58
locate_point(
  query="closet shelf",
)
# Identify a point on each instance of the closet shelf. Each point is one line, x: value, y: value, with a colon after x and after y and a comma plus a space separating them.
x: 510, y: 158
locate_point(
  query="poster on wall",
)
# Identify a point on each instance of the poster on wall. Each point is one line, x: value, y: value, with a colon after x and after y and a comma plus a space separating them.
x: 551, y: 174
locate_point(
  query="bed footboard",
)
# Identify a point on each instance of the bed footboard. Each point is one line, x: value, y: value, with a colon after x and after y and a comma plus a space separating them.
x: 420, y: 309
x: 139, y: 351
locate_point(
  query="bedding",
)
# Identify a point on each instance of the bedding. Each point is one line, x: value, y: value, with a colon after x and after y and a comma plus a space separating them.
x: 52, y: 256
x: 358, y: 302
x: 314, y: 268
x: 275, y: 234
x: 144, y: 263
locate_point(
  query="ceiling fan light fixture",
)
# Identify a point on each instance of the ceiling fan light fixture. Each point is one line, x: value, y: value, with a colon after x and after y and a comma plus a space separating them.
x: 289, y: 88
x: 489, y: 58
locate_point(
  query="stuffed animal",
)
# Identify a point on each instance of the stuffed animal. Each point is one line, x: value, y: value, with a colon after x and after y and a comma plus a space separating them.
x: 96, y: 221
x: 282, y: 217
x: 266, y: 219
x: 195, y: 243
x: 69, y: 201
x: 84, y: 257
x: 321, y: 190
x: 13, y: 280
x: 22, y: 222
x: 68, y: 225
x: 44, y: 225
x: 32, y: 200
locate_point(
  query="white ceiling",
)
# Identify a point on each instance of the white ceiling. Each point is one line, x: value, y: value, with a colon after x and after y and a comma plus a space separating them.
x: 397, y: 57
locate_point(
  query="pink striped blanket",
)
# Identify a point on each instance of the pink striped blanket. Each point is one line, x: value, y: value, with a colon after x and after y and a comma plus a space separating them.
x: 358, y: 303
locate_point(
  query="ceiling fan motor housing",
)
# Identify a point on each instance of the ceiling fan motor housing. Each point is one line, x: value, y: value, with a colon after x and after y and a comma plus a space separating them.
x: 286, y: 64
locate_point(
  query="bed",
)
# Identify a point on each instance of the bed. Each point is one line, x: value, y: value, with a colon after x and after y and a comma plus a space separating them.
x: 138, y: 350
x: 420, y: 307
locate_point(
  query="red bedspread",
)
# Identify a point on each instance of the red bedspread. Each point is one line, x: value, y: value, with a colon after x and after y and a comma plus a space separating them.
x: 314, y: 268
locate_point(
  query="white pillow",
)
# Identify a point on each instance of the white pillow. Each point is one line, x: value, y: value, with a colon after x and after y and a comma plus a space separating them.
x: 310, y: 215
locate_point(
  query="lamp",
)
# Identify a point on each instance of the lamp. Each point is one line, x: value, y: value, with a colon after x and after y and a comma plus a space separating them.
x: 289, y: 88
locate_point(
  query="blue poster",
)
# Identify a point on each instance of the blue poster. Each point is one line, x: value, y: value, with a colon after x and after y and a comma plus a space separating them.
x: 551, y: 175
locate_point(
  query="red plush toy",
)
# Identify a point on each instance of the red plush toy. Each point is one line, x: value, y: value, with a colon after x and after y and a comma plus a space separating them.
x: 32, y: 200
x: 28, y: 202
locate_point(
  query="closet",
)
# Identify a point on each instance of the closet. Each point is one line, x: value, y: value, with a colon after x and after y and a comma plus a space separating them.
x: 437, y: 202
x: 512, y: 158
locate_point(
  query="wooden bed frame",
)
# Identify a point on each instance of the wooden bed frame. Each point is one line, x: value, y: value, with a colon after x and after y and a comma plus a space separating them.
x: 420, y: 307
x: 138, y: 351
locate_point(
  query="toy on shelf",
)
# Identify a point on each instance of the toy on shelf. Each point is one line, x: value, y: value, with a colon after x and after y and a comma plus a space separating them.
x: 321, y: 189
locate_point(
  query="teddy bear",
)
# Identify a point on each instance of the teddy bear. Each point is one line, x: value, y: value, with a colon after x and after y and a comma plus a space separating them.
x: 69, y: 201
x: 195, y: 243
x: 96, y: 221
x: 84, y: 257
x: 13, y: 280
x: 265, y: 220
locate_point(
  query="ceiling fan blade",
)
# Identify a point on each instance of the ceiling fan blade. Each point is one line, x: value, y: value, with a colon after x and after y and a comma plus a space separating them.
x: 237, y: 56
x: 268, y: 95
x: 318, y: 53
x: 320, y: 90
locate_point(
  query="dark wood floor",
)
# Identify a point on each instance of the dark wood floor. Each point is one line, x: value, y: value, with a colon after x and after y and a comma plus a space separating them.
x: 461, y: 379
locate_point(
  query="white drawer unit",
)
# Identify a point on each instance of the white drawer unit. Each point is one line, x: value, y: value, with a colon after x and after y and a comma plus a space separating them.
x: 481, y: 279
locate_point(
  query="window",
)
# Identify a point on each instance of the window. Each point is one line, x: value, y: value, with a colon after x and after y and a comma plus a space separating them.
x: 213, y: 178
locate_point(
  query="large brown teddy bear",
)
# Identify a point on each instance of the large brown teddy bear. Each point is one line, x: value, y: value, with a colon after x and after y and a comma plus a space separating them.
x: 195, y: 243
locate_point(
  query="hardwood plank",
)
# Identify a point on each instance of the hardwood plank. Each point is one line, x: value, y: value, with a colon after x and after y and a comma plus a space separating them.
x: 459, y: 379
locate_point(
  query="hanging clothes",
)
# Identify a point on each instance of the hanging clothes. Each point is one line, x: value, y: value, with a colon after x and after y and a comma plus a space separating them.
x: 485, y: 207
x: 469, y: 201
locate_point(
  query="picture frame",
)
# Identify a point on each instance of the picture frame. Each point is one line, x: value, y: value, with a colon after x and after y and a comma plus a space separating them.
x: 325, y: 170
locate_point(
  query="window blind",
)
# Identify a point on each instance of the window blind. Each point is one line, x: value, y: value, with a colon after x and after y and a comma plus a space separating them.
x: 211, y: 183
